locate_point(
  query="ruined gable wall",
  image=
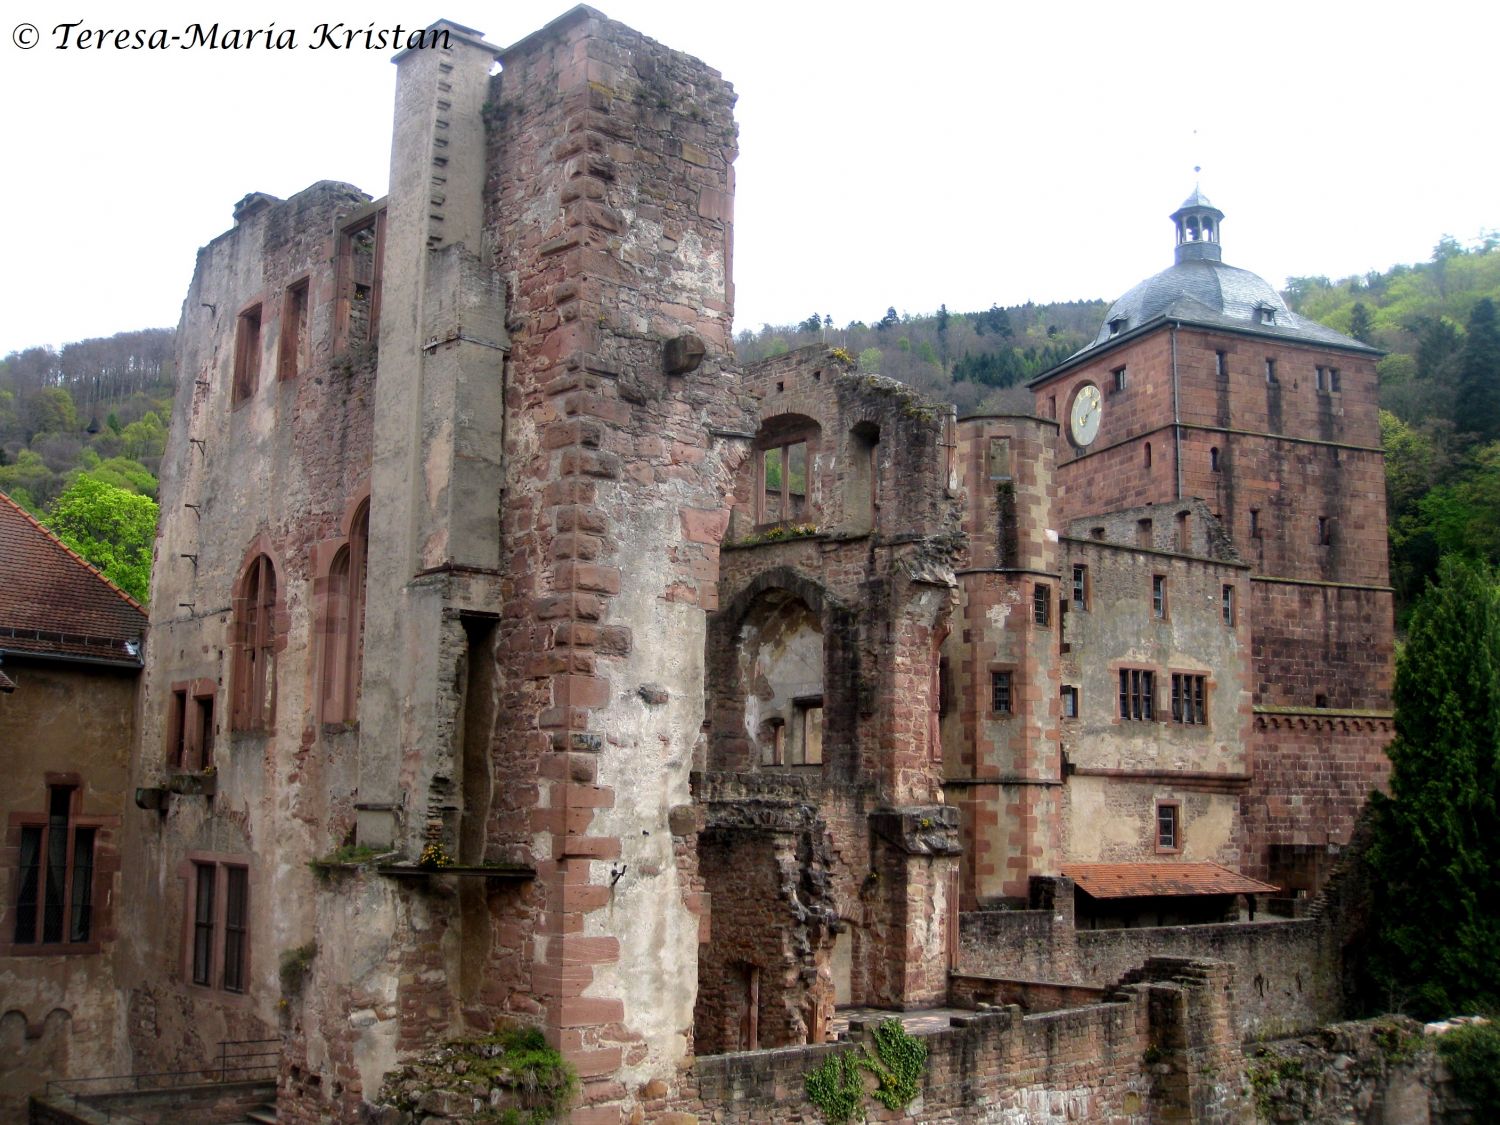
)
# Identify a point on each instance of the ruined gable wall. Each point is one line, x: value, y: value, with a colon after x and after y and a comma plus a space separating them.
x: 278, y: 473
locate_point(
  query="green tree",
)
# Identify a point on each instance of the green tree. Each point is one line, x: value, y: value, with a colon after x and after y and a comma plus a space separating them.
x: 111, y: 528
x: 1359, y: 322
x: 869, y: 361
x: 1436, y: 848
x: 50, y: 411
x: 1478, y: 398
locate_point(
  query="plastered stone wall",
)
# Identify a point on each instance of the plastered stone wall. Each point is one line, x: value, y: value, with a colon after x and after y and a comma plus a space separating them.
x: 59, y: 1014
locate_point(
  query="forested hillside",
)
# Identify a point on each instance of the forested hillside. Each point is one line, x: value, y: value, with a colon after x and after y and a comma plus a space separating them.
x: 978, y: 361
x: 81, y: 438
x: 1440, y: 394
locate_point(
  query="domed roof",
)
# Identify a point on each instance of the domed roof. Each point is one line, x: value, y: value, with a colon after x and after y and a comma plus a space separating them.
x: 1200, y: 288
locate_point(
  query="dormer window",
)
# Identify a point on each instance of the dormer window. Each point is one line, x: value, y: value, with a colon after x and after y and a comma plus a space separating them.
x: 1116, y: 326
x: 1265, y: 314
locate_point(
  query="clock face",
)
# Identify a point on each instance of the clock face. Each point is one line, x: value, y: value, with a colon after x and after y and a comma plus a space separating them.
x: 1083, y: 420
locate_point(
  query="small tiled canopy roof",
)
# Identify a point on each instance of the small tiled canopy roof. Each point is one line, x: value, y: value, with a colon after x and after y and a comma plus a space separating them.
x: 52, y: 603
x: 1146, y: 880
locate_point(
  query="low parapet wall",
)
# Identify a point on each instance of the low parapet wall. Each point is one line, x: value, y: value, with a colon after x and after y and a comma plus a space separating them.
x: 1286, y: 971
x: 1160, y: 1048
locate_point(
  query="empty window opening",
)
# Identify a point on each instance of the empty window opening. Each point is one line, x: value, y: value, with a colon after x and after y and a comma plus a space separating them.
x: 1254, y: 523
x: 1188, y: 699
x: 361, y: 258
x: 1148, y: 455
x: 1333, y: 379
x: 246, y: 355
x: 1320, y: 700
x: 292, y: 353
x: 783, y: 492
x: 781, y: 679
x: 1096, y: 533
x: 55, y: 880
x: 806, y: 747
x: 190, y: 727
x: 1271, y: 372
x: 1213, y: 459
x: 1159, y: 596
x: 1041, y: 604
x: 1168, y: 827
x: 1325, y: 531
x: 1001, y: 694
x: 1137, y: 694
x: 1221, y: 364
x: 1080, y: 586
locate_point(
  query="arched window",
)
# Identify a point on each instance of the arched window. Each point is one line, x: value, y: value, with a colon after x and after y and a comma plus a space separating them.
x: 344, y: 623
x: 1148, y: 455
x: 253, y: 699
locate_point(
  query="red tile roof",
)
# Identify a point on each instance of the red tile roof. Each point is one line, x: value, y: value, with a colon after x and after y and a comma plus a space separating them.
x: 52, y: 603
x: 1141, y: 880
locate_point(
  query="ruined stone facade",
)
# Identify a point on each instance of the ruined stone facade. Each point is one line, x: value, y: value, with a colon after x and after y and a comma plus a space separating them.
x: 564, y: 672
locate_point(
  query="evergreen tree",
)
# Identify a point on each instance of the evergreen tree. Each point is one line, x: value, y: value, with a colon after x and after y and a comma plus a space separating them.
x: 1436, y: 849
x: 1478, y: 400
x: 1359, y: 322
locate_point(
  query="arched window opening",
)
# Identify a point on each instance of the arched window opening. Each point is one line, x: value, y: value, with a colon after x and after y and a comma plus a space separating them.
x: 1148, y: 455
x: 254, y: 644
x: 1213, y: 459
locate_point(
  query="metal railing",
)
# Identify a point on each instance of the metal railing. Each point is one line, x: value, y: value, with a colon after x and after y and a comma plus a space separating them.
x: 237, y: 1060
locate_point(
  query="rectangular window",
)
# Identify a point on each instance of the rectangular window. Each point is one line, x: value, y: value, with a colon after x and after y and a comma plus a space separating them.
x: 1189, y: 699
x: 1119, y: 377
x: 1221, y: 364
x: 1271, y: 371
x: 1041, y: 604
x: 177, y: 729
x: 1325, y: 531
x: 1144, y: 534
x: 205, y: 877
x: 55, y: 880
x: 291, y: 358
x: 1069, y: 701
x: 1159, y: 596
x: 807, y: 732
x: 1333, y: 379
x: 1168, y: 828
x: 246, y: 356
x: 783, y: 493
x: 1080, y: 586
x: 1226, y: 604
x: 203, y: 723
x: 219, y: 954
x: 1000, y: 693
x: 1137, y: 695
x: 1254, y: 523
x: 1318, y: 379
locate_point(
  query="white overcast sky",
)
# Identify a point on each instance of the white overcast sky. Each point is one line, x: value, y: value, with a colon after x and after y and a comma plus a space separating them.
x: 890, y: 154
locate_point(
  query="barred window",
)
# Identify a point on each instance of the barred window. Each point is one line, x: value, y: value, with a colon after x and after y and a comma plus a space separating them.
x: 1188, y: 696
x: 1000, y: 692
x: 1137, y: 694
